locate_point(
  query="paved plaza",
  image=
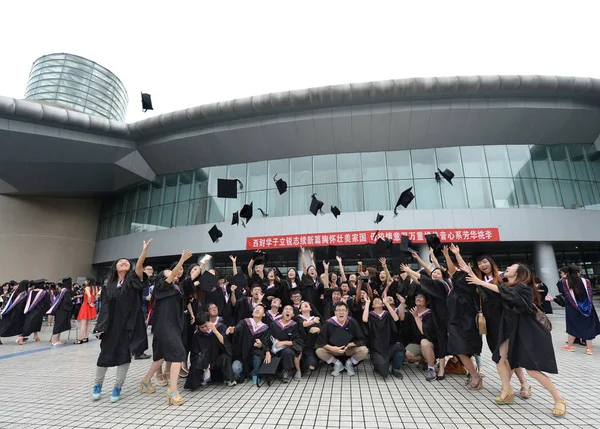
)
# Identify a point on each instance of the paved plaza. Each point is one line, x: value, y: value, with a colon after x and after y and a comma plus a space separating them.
x: 42, y: 387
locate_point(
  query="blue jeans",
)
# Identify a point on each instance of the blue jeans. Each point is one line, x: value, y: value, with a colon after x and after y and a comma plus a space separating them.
x: 238, y: 367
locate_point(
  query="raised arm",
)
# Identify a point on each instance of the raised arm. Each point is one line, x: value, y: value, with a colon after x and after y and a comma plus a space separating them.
x: 434, y: 259
x: 474, y: 280
x: 365, y: 315
x: 234, y: 262
x: 139, y: 265
x: 341, y: 266
x: 383, y: 262
x: 459, y: 259
x: 250, y: 267
x: 185, y: 255
x: 449, y: 262
x: 326, y: 268
x: 303, y: 261
x: 418, y: 320
x: 413, y: 274
x: 312, y: 259
x: 391, y: 310
x: 416, y: 256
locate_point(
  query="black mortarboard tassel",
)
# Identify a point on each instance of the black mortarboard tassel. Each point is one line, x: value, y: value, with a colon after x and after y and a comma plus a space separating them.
x: 315, y: 205
x: 235, y: 220
x: 246, y: 212
x: 379, y: 218
x: 215, y: 233
x: 446, y: 174
x: 146, y: 102
x: 227, y: 188
x: 336, y: 212
x: 281, y: 185
x: 405, y: 199
x: 263, y: 212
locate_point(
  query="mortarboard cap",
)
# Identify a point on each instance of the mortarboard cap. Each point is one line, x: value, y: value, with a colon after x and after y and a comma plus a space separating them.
x: 259, y: 258
x: 340, y: 337
x: 146, y: 102
x: 405, y: 199
x: 406, y: 244
x: 235, y: 219
x: 336, y: 212
x: 215, y: 233
x: 446, y: 174
x: 208, y: 281
x: 39, y: 281
x: 13, y: 283
x: 239, y: 280
x: 268, y: 369
x: 227, y: 188
x: 331, y: 252
x: 246, y: 212
x: 379, y: 218
x: 281, y: 185
x: 434, y: 242
x: 66, y: 282
x: 315, y: 205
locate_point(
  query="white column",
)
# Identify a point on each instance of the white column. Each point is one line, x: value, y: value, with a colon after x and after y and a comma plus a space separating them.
x: 545, y: 265
x: 306, y: 259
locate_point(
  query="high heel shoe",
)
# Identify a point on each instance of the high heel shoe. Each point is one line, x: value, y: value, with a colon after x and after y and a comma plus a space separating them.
x: 557, y: 412
x: 147, y: 386
x: 476, y: 382
x: 525, y: 393
x: 78, y: 342
x: 85, y: 340
x: 506, y: 398
x: 174, y: 398
x: 162, y: 380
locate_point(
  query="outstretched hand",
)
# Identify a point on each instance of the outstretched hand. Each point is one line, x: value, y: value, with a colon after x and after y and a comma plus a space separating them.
x: 185, y: 255
x: 146, y: 244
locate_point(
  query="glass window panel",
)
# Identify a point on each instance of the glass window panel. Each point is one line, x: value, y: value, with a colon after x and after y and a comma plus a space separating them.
x: 199, y: 211
x: 349, y: 167
x: 520, y: 161
x: 156, y: 188
x: 473, y: 159
x: 427, y: 194
x: 373, y: 166
x: 127, y: 223
x: 570, y: 194
x: 593, y: 156
x: 154, y: 217
x: 215, y: 209
x: 376, y: 196
x: 396, y: 187
x: 170, y: 189
x: 119, y: 219
x: 541, y: 162
x: 328, y: 194
x: 497, y: 161
x: 183, y: 208
x: 423, y: 163
x: 503, y: 191
x: 449, y: 157
x: 257, y: 176
x: 166, y: 218
x: 278, y: 205
x: 281, y: 168
x: 301, y: 172
x: 351, y: 197
x: 399, y: 165
x: 479, y: 193
x: 130, y: 198
x: 300, y: 200
x: 119, y: 204
x: 200, y: 189
x: 527, y: 193
x: 217, y: 173
x: 549, y: 193
x: 580, y: 164
x: 589, y: 194
x: 454, y: 197
x: 562, y: 165
x: 140, y: 216
x: 258, y: 200
x: 324, y: 168
x: 186, y: 180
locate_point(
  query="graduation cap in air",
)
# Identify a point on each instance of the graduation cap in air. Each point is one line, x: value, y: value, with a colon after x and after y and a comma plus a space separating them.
x: 208, y: 281
x: 227, y: 188
x: 336, y: 212
x: 331, y: 252
x: 446, y: 174
x: 239, y: 280
x: 316, y: 205
x: 246, y: 212
x: 405, y: 199
x: 146, y: 102
x: 235, y: 219
x: 259, y: 258
x: 434, y: 242
x: 215, y: 233
x: 381, y: 247
x: 281, y: 185
x: 406, y: 245
x: 379, y: 218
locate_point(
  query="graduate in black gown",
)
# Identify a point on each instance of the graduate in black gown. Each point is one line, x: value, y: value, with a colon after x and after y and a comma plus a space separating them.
x: 289, y: 284
x: 211, y: 353
x: 61, y: 309
x: 252, y: 345
x: 523, y: 341
x: 38, y: 303
x: 13, y: 316
x: 312, y: 286
x: 139, y: 337
x: 116, y: 321
x: 191, y: 296
x: 287, y: 343
x: 311, y: 327
x: 425, y: 334
x: 167, y: 344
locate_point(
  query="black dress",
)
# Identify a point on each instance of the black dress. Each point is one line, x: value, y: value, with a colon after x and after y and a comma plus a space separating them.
x: 167, y: 343
x: 492, y: 310
x: 139, y: 337
x: 40, y: 304
x: 547, y: 305
x: 62, y: 315
x: 12, y: 321
x: 529, y: 343
x: 117, y: 320
x: 437, y: 292
x: 463, y: 335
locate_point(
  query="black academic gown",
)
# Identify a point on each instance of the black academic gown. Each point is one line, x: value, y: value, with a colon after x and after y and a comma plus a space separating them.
x: 272, y: 290
x: 12, y: 322
x: 492, y: 310
x: 291, y: 332
x: 285, y: 289
x: 463, y: 334
x: 117, y: 319
x: 311, y: 291
x: 243, y: 343
x: 308, y: 339
x: 437, y: 294
x: 244, y: 308
x: 167, y: 343
x: 407, y: 289
x: 380, y: 331
x: 330, y: 333
x: 139, y: 336
x: 208, y: 350
x: 217, y: 296
x: 62, y: 315
x: 35, y: 316
x: 529, y: 343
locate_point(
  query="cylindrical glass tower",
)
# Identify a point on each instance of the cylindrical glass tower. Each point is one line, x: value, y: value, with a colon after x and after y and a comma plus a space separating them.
x: 78, y: 84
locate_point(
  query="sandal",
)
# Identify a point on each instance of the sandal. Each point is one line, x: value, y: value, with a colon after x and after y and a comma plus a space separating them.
x: 147, y: 386
x: 78, y: 342
x: 506, y: 398
x: 557, y: 412
x: 476, y: 383
x: 589, y: 352
x: 162, y: 379
x: 568, y: 348
x: 174, y: 398
x: 525, y: 393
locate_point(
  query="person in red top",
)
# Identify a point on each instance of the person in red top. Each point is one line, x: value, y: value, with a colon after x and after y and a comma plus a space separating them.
x: 87, y: 313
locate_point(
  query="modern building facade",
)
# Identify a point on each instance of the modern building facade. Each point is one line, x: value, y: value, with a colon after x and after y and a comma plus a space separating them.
x: 525, y: 151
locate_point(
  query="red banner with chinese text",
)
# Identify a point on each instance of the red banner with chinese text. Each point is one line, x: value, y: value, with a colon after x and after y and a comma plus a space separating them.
x: 466, y: 235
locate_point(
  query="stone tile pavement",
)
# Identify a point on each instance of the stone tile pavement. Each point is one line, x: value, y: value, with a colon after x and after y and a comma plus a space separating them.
x: 41, y: 387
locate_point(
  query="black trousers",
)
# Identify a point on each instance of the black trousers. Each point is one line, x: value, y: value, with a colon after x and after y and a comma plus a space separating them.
x: 381, y: 362
x: 287, y: 356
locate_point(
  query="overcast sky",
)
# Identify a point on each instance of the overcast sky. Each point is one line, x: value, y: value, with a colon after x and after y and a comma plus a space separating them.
x: 191, y: 53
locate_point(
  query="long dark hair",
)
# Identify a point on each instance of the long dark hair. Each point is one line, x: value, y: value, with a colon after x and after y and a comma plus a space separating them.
x: 525, y: 277
x: 113, y: 276
x: 189, y: 289
x: 573, y: 279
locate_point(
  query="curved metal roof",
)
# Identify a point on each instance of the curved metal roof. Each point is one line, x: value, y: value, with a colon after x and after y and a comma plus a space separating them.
x: 311, y: 98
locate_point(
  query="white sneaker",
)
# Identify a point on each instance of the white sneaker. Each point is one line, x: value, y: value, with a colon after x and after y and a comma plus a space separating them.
x: 338, y: 367
x: 298, y: 375
x: 350, y: 368
x: 206, y: 378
